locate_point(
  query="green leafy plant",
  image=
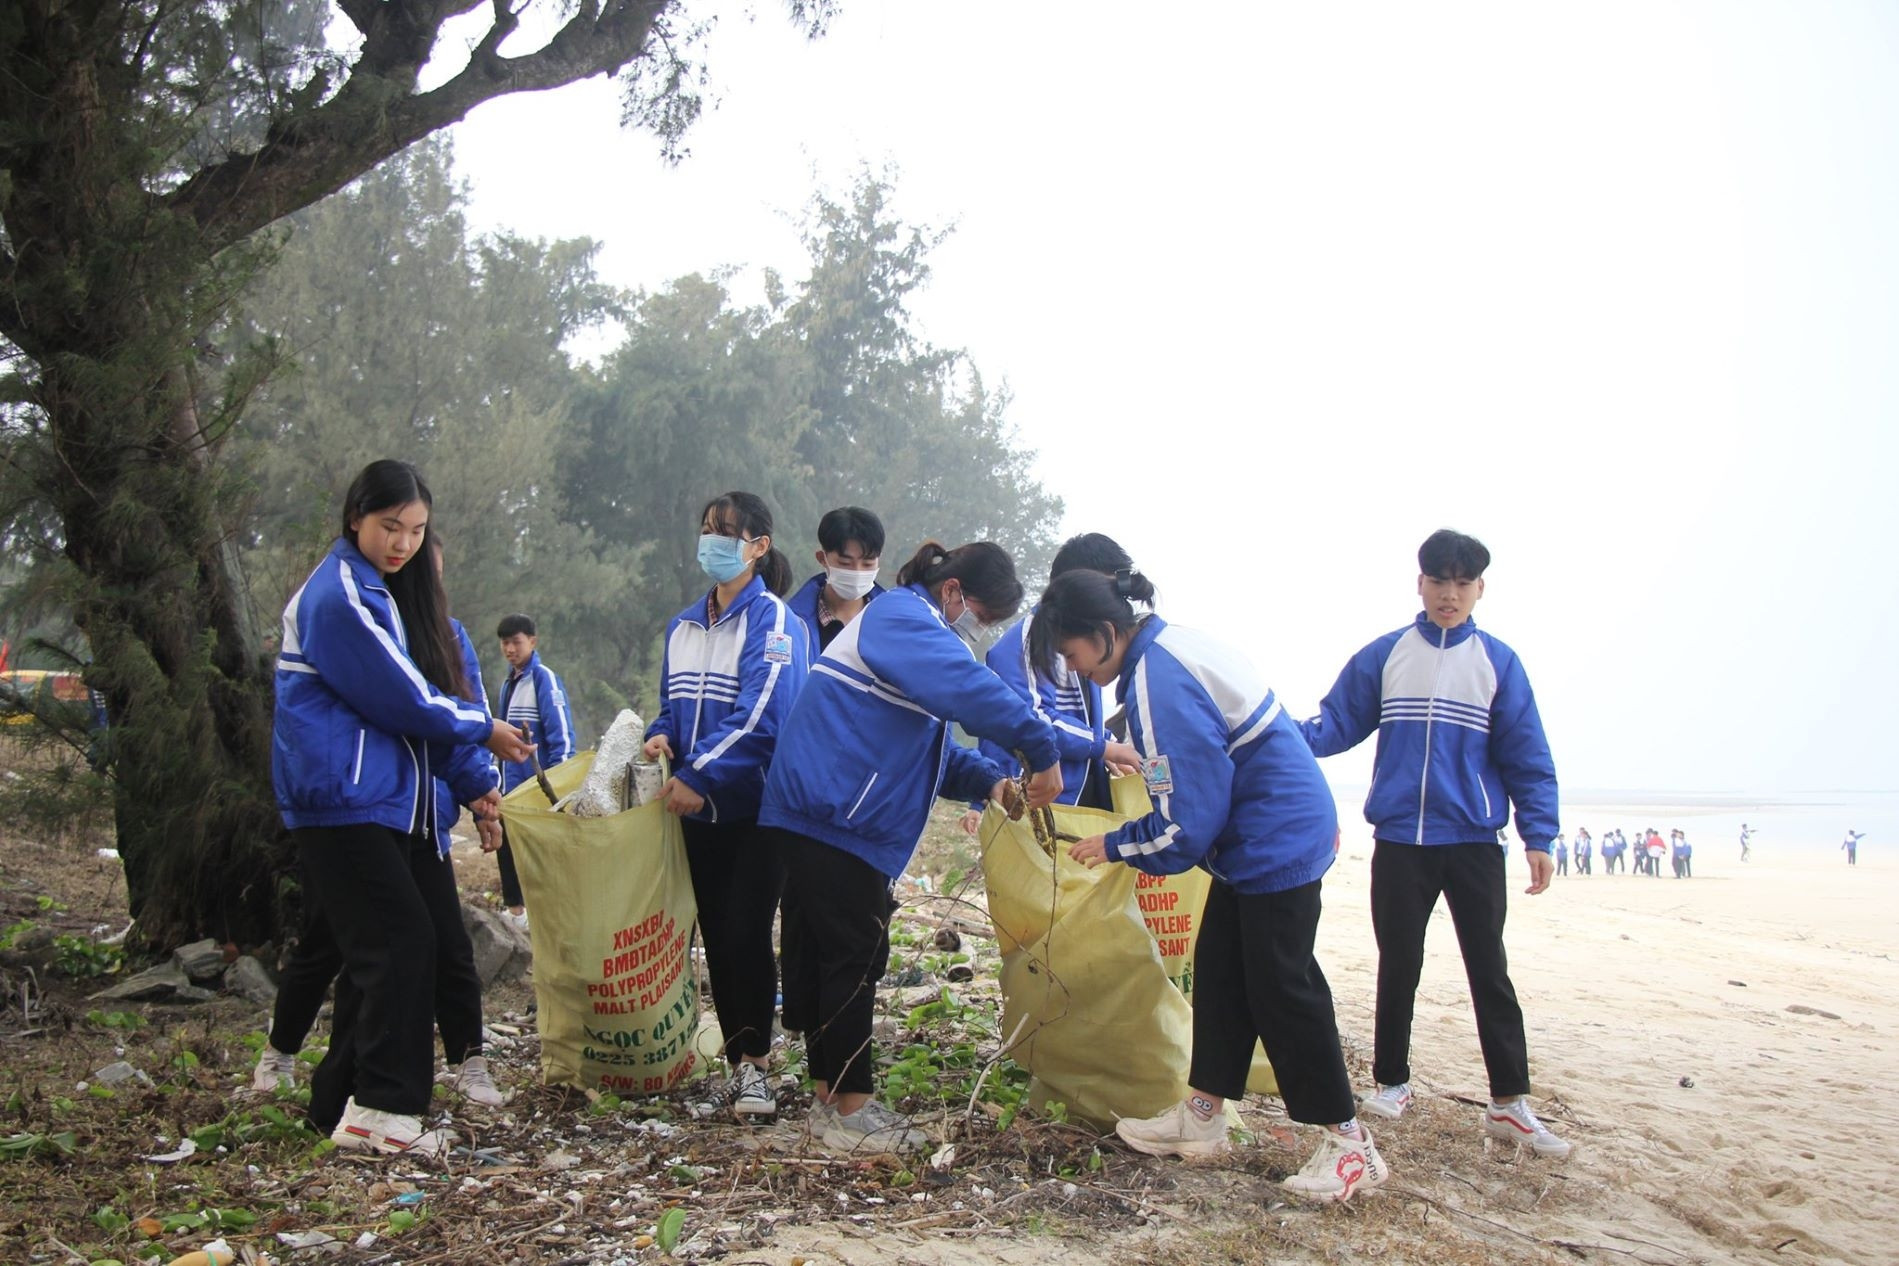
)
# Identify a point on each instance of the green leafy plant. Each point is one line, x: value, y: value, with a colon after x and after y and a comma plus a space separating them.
x: 125, y: 1021
x: 671, y: 1223
x: 27, y: 1143
x: 82, y: 959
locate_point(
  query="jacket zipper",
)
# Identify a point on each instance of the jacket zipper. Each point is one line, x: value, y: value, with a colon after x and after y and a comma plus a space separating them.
x: 415, y: 802
x: 356, y: 773
x: 856, y: 804
x: 1430, y: 710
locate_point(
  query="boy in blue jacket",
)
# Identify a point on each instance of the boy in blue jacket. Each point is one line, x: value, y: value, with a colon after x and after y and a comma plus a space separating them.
x: 532, y: 696
x: 1459, y: 740
x: 850, y: 545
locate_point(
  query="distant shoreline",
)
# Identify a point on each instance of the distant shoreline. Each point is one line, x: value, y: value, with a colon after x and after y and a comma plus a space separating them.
x: 1708, y: 800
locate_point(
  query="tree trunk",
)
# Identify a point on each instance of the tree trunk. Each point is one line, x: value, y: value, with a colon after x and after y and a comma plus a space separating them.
x: 187, y: 698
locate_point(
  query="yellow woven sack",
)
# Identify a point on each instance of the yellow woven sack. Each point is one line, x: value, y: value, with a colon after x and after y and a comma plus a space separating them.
x: 612, y: 915
x: 1097, y: 967
x: 1087, y: 1005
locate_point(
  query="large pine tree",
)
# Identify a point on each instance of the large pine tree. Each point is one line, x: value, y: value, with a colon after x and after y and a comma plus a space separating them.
x: 143, y: 146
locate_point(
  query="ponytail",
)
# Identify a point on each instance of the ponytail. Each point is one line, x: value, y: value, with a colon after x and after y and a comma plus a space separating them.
x: 922, y: 565
x: 1087, y: 604
x: 983, y: 568
x: 775, y: 570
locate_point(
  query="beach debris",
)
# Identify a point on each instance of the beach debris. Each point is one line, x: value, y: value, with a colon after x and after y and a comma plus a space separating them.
x: 1801, y: 1008
x: 113, y: 1074
x: 1738, y: 984
x: 620, y: 777
x: 186, y: 1149
x: 310, y: 1239
x: 1686, y: 1083
x: 947, y: 940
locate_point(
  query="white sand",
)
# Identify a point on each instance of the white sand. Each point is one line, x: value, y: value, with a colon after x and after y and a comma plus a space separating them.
x: 1782, y: 1147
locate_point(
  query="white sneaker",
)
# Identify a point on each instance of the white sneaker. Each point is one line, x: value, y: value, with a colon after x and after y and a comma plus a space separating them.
x: 751, y: 1092
x: 387, y: 1133
x: 519, y: 920
x: 1388, y: 1102
x: 473, y: 1081
x: 1515, y: 1123
x: 818, y: 1119
x: 871, y: 1129
x: 275, y: 1071
x: 1339, y: 1168
x: 1176, y: 1132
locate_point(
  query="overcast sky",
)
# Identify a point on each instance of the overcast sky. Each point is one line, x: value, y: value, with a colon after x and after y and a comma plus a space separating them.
x: 1281, y: 287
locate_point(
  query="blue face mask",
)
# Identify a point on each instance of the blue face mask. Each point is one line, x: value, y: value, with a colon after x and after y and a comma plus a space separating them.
x: 721, y: 557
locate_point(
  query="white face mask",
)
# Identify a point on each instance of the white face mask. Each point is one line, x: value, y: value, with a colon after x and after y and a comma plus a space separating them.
x: 968, y: 627
x: 850, y: 584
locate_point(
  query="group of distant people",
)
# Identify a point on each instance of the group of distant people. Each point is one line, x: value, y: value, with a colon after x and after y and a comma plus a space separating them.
x: 1614, y: 850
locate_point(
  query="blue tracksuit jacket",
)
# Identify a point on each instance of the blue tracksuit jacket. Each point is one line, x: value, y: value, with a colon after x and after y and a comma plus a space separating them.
x: 804, y: 605
x: 1234, y: 786
x: 1459, y: 738
x: 467, y: 765
x: 867, y: 748
x: 725, y: 691
x: 543, y: 710
x: 1067, y: 704
x: 358, y: 729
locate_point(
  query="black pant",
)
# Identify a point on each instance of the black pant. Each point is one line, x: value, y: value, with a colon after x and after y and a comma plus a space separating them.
x: 1255, y: 978
x: 835, y: 933
x: 388, y: 900
x: 1406, y: 881
x: 737, y: 877
x: 317, y: 960
x: 510, y: 878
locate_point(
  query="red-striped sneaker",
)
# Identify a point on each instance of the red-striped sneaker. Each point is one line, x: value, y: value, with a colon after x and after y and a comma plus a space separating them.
x: 1388, y: 1102
x: 387, y: 1133
x: 1515, y: 1123
x: 1340, y: 1168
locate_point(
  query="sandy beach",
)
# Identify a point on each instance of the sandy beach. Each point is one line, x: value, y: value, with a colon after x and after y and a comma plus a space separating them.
x: 1720, y: 1049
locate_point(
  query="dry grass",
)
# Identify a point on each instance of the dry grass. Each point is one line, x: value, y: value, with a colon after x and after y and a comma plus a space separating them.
x: 556, y: 1180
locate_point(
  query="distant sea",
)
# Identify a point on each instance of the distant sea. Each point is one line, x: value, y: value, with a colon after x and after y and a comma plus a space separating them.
x: 1804, y: 823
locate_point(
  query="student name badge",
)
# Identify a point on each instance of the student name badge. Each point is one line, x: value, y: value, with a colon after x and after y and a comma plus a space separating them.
x: 1158, y: 773
x: 777, y: 648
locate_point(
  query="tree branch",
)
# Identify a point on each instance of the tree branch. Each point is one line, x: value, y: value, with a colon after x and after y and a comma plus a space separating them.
x: 310, y: 154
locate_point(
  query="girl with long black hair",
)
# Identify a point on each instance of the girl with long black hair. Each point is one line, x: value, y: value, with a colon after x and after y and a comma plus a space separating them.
x: 371, y: 702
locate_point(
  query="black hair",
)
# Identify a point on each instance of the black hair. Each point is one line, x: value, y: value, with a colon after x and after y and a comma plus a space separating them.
x: 984, y: 569
x: 1086, y: 603
x: 1091, y: 551
x: 752, y: 517
x: 516, y: 623
x: 1448, y: 555
x: 417, y: 591
x: 845, y: 524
